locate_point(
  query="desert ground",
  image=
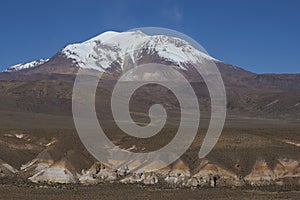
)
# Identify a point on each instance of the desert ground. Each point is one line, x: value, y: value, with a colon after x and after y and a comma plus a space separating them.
x: 243, y: 142
x: 112, y: 191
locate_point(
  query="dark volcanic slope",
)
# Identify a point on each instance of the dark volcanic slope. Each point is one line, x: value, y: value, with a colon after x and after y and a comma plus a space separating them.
x: 248, y: 94
x: 47, y: 88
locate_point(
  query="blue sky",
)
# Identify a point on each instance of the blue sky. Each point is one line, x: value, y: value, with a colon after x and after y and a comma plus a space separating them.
x: 260, y: 36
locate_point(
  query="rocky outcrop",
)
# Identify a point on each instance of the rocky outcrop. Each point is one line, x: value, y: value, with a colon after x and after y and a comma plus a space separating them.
x: 6, y: 170
x: 287, y: 168
x: 98, y: 173
x: 41, y: 162
x: 178, y: 175
x: 213, y: 175
x: 260, y: 175
x: 147, y: 178
x: 44, y: 169
x: 59, y: 172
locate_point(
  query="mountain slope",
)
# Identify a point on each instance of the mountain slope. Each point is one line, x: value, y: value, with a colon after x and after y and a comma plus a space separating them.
x: 46, y: 85
x: 28, y: 65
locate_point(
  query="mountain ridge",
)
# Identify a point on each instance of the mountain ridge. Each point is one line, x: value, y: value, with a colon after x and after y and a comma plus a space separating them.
x: 248, y: 93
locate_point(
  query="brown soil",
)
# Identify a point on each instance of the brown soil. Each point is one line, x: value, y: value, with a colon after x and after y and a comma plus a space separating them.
x: 118, y: 191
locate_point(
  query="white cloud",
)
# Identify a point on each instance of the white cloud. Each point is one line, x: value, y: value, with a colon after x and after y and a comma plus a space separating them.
x: 173, y: 13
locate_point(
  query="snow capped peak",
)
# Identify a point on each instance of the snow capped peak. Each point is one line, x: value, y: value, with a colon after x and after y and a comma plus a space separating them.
x: 102, y: 37
x: 125, y: 49
x: 28, y: 65
x: 113, y: 47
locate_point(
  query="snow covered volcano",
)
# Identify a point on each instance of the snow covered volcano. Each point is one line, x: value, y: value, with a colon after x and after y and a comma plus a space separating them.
x: 122, y: 50
x: 112, y: 47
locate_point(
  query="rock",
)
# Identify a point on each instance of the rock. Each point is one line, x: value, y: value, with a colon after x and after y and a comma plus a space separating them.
x: 260, y: 175
x: 178, y: 174
x: 6, y: 170
x: 213, y: 175
x: 141, y: 177
x: 98, y: 172
x: 287, y: 168
x: 151, y: 179
x: 59, y: 172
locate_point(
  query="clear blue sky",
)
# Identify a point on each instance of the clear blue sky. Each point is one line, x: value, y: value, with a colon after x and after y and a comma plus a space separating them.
x: 258, y: 35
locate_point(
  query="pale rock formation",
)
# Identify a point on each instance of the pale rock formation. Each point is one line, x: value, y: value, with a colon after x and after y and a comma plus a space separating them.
x: 98, y: 172
x: 260, y: 175
x: 6, y: 170
x: 178, y: 175
x: 287, y: 168
x: 59, y: 172
x: 213, y: 175
x: 147, y: 178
